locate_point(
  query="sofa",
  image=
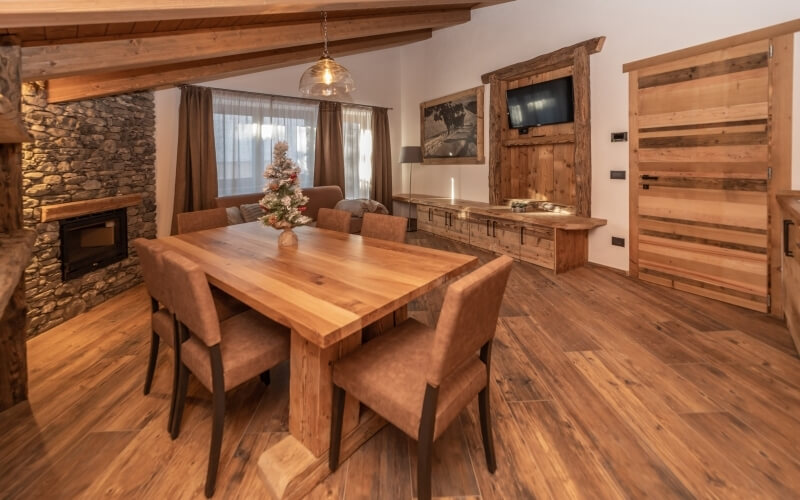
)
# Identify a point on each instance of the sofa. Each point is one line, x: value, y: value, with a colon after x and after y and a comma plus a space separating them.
x: 318, y: 197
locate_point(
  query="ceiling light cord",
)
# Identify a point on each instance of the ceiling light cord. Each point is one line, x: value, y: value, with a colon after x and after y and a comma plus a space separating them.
x: 325, y: 34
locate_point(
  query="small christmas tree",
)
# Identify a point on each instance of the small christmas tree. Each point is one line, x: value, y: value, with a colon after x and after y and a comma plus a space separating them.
x: 283, y: 202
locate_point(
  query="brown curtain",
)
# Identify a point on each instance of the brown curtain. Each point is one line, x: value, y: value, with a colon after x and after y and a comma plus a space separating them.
x: 329, y: 156
x: 196, y: 175
x: 381, y: 158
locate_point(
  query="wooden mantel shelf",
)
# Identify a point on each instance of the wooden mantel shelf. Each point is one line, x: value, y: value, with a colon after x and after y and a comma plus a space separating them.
x: 78, y: 208
x: 15, y: 254
x: 12, y: 129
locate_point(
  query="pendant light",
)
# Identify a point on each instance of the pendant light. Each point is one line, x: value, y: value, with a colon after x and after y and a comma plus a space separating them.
x: 326, y: 78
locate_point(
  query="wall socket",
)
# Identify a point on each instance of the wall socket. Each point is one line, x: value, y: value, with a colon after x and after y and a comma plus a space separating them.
x: 617, y: 241
x: 619, y: 137
x: 618, y: 174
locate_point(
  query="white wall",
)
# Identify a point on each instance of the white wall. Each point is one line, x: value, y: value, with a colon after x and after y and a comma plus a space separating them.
x: 454, y: 59
x: 377, y: 79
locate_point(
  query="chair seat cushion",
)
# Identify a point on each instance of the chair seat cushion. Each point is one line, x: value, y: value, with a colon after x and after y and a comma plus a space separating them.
x: 251, y: 344
x: 388, y: 374
x: 164, y: 326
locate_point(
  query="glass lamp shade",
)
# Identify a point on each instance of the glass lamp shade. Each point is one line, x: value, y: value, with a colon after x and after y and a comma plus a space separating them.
x: 326, y: 78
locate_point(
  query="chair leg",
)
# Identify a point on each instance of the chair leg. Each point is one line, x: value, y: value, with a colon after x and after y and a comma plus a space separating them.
x: 265, y: 378
x: 151, y: 363
x: 180, y: 401
x: 484, y: 409
x: 216, y: 442
x: 176, y: 371
x: 337, y: 414
x: 427, y: 426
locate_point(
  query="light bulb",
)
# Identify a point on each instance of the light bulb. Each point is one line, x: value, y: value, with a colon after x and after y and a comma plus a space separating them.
x: 327, y: 77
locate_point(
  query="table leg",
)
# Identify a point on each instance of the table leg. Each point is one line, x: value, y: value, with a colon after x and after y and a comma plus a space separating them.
x: 293, y: 466
x: 311, y: 392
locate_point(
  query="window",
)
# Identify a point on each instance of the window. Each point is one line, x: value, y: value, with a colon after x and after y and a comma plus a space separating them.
x: 357, y: 135
x: 246, y: 128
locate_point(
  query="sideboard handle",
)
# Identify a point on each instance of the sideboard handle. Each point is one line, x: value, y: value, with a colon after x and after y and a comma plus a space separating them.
x: 786, y: 251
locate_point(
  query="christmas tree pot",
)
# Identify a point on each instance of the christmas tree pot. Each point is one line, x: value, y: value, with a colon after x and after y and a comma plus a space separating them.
x: 287, y: 238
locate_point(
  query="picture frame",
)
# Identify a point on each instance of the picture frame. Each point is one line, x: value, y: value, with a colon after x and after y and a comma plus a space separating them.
x: 451, y: 129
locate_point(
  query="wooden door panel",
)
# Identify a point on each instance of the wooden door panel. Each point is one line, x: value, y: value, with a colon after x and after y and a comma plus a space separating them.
x: 725, y: 90
x: 731, y: 208
x: 734, y: 269
x: 700, y: 157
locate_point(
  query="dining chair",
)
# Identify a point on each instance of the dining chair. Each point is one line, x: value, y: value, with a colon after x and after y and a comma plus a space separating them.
x: 162, y: 319
x: 335, y: 220
x: 222, y: 355
x: 419, y: 378
x: 189, y: 222
x: 384, y: 227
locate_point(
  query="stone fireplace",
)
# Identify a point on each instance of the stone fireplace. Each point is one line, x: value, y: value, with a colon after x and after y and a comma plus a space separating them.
x: 88, y: 157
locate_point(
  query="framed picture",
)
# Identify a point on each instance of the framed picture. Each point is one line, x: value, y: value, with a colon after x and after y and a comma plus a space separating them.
x: 451, y: 128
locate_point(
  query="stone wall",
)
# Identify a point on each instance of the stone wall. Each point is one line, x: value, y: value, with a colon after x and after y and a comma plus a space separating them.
x: 84, y: 150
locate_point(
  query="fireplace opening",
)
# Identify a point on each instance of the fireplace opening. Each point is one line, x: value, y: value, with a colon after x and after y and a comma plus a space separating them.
x: 90, y: 242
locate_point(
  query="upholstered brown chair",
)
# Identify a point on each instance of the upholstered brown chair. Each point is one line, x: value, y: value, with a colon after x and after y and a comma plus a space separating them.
x: 189, y: 222
x: 384, y: 227
x: 162, y: 320
x: 222, y: 355
x: 420, y: 379
x: 335, y: 220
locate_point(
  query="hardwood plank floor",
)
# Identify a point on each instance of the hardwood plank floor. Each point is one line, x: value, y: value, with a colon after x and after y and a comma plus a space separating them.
x: 603, y: 387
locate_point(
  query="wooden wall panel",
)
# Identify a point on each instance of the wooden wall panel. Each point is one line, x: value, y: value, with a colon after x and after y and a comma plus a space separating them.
x: 552, y: 162
x: 700, y: 153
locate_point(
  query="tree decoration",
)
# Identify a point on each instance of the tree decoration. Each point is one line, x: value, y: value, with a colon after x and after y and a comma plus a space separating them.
x: 283, y: 201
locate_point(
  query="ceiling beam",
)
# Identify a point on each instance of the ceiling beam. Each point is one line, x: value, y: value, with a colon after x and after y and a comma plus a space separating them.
x: 29, y: 13
x: 98, y: 85
x: 72, y: 59
x: 554, y: 60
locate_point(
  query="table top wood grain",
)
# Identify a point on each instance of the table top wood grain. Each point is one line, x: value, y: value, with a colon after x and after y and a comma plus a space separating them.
x: 328, y: 287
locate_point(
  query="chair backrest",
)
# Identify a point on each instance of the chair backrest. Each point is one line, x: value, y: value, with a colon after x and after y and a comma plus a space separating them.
x: 189, y: 222
x: 469, y: 317
x: 335, y: 220
x: 384, y: 227
x: 152, y: 262
x: 192, y: 302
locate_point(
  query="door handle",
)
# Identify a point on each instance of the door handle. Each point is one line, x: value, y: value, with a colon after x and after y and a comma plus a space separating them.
x: 786, y: 251
x: 521, y: 235
x: 487, y: 228
x: 494, y: 227
x: 649, y: 177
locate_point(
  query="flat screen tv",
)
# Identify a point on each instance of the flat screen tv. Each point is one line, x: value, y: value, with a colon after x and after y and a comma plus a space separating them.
x: 541, y: 104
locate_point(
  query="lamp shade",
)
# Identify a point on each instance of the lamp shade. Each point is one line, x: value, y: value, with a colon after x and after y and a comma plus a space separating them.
x: 411, y: 154
x: 327, y: 78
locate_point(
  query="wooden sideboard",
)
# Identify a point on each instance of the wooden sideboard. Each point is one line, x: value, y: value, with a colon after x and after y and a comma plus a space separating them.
x: 790, y: 265
x: 557, y: 241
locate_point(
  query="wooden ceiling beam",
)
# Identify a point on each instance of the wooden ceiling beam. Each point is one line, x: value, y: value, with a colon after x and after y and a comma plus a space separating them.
x: 84, y: 87
x: 28, y: 13
x: 72, y: 59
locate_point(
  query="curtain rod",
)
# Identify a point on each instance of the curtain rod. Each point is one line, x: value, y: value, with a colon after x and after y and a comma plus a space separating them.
x: 261, y: 94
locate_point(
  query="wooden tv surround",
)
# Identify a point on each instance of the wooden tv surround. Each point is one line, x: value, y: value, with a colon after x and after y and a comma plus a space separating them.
x: 557, y: 241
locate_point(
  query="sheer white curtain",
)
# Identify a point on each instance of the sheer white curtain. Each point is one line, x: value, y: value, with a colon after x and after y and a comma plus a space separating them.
x: 246, y: 128
x: 357, y: 135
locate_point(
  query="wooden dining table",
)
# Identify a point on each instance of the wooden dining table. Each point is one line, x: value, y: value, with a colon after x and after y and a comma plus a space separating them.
x: 326, y: 290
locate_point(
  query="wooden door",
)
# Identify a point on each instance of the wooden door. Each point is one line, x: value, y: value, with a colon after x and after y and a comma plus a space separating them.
x: 700, y: 169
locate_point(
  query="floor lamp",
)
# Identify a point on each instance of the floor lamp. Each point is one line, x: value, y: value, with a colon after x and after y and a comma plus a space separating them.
x: 411, y: 155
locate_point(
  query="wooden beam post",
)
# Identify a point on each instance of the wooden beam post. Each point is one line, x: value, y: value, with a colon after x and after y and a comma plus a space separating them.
x: 583, y: 133
x: 13, y: 357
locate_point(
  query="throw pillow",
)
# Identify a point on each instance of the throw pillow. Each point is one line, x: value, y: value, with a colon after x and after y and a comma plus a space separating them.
x: 360, y: 206
x: 234, y: 215
x: 251, y: 212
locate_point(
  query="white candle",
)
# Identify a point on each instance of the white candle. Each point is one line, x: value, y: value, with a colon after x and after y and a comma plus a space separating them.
x: 452, y: 189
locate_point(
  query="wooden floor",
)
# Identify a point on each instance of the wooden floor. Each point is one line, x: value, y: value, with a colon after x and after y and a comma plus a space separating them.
x: 603, y: 387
